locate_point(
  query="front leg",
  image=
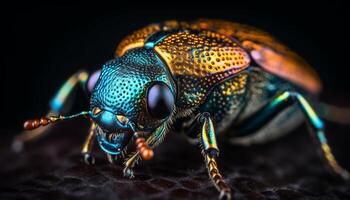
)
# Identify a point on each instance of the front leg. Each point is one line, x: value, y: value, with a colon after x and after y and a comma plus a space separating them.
x: 152, y: 141
x: 88, y: 145
x: 210, y: 152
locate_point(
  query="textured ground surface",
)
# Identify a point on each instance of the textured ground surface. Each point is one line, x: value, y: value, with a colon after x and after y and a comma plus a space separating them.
x: 285, y: 169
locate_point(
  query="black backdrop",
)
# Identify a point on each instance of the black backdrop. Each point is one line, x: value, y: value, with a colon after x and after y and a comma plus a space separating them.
x: 44, y: 44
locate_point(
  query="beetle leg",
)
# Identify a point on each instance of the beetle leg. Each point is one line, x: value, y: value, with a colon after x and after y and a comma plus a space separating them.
x: 210, y: 151
x: 318, y: 126
x: 152, y: 141
x: 278, y: 104
x: 88, y: 145
x: 59, y: 105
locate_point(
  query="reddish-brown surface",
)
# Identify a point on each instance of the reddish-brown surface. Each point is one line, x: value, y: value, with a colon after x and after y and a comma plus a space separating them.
x: 285, y: 169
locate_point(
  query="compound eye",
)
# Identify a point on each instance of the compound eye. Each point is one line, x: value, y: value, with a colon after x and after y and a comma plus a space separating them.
x: 160, y: 100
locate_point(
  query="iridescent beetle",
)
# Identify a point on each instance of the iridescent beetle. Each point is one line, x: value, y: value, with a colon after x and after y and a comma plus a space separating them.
x: 200, y: 78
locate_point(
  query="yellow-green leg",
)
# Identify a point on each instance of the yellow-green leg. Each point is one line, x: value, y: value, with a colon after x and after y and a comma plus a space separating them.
x: 88, y: 145
x: 318, y: 127
x: 280, y: 103
x: 210, y: 152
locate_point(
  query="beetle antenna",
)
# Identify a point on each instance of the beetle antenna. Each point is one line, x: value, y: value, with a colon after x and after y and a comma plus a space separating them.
x: 35, y: 123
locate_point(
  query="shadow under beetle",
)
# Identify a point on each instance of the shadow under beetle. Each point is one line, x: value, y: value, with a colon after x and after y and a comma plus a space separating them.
x: 200, y: 78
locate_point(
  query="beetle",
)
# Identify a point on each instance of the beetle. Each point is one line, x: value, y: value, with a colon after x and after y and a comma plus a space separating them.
x: 200, y: 78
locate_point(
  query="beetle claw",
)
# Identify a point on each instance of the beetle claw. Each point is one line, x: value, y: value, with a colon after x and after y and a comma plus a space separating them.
x: 88, y: 159
x: 345, y: 175
x: 128, y: 173
x: 225, y: 195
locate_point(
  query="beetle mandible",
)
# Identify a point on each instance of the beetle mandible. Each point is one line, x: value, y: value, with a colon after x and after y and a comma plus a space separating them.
x: 205, y: 77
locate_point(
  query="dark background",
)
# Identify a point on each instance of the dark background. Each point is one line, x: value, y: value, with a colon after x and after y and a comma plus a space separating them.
x: 42, y: 45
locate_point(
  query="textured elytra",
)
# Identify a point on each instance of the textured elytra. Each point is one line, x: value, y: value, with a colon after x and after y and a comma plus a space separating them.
x: 266, y: 50
x: 234, y: 87
x: 198, y: 60
x: 201, y: 53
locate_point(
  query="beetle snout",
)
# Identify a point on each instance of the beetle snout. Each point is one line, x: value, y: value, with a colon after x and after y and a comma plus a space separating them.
x: 110, y: 121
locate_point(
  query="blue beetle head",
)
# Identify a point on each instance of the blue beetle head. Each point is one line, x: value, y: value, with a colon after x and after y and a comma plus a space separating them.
x: 134, y: 93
